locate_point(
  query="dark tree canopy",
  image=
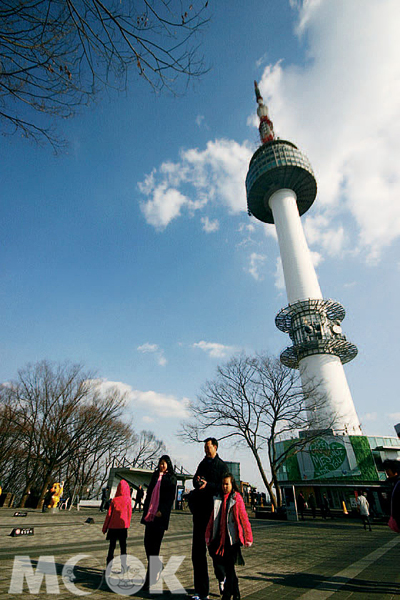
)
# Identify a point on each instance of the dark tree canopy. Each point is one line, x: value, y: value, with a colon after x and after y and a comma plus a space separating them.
x: 56, y: 54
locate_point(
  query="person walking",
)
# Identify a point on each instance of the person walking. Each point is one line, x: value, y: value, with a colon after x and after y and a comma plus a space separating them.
x: 392, y: 468
x: 228, y: 529
x: 105, y: 496
x: 207, y: 484
x: 363, y: 507
x: 326, y: 508
x: 312, y: 503
x: 301, y: 504
x: 156, y: 513
x: 139, y: 498
x: 118, y: 521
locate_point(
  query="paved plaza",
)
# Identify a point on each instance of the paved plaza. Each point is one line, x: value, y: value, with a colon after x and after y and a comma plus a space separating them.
x: 311, y: 560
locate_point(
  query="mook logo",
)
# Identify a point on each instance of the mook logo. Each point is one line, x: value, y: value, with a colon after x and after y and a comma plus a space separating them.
x: 125, y: 575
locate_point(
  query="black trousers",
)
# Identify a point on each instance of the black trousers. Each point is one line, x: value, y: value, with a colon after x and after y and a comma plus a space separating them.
x: 365, y: 520
x: 113, y: 535
x: 227, y: 562
x: 199, y: 556
x: 137, y: 502
x: 153, y: 536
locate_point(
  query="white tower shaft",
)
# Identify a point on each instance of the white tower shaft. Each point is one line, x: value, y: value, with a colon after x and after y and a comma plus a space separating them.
x: 322, y: 370
x: 300, y: 278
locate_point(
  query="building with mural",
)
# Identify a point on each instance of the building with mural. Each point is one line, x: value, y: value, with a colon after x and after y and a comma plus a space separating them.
x: 340, y: 466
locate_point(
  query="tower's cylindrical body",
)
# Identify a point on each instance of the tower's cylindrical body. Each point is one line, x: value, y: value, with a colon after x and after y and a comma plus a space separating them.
x: 321, y: 371
x: 300, y: 278
x: 280, y: 187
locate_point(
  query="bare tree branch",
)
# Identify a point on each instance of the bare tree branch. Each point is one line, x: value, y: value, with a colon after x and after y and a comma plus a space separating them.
x: 55, y: 55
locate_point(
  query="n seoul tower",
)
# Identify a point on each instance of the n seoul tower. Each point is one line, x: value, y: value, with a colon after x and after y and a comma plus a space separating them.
x: 281, y: 187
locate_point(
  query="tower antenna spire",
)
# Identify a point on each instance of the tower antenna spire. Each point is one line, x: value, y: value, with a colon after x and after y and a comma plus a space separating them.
x: 266, y: 127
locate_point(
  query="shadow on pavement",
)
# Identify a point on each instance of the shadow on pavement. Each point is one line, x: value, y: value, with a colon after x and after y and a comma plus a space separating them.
x: 89, y: 578
x: 311, y: 581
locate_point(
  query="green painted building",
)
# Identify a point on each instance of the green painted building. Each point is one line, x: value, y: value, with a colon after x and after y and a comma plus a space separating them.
x: 340, y: 466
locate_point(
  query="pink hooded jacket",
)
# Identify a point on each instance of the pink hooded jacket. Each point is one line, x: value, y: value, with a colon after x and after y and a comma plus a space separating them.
x: 238, y: 524
x: 120, y: 512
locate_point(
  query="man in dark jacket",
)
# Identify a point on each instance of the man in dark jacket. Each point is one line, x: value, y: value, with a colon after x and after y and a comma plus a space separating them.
x: 105, y: 499
x: 139, y: 498
x: 207, y: 483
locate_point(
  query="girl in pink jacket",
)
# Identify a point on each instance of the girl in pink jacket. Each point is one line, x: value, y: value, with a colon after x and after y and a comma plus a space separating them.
x: 118, y: 520
x: 228, y: 529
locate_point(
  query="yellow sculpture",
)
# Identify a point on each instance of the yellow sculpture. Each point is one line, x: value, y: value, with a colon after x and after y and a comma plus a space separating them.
x: 57, y: 491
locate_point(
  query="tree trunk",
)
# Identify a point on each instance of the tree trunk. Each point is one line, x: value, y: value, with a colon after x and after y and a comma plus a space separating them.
x: 267, y: 484
x: 44, y: 490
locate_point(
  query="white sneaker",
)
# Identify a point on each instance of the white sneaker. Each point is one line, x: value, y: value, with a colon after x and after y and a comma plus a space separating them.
x: 221, y: 586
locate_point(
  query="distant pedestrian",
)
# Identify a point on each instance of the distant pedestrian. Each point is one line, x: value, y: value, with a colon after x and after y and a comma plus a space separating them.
x: 139, y: 498
x: 326, y: 508
x: 228, y: 529
x: 392, y: 468
x: 363, y: 507
x: 105, y: 496
x: 312, y: 503
x: 118, y: 521
x: 301, y: 504
x: 156, y: 512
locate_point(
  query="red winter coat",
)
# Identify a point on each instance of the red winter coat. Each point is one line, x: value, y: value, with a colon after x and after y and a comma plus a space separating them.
x: 238, y: 524
x: 120, y: 511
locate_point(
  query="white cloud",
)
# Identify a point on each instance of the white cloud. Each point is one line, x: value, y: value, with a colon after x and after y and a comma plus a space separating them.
x: 147, y: 419
x: 161, y: 405
x: 319, y: 230
x: 210, y: 226
x: 246, y: 228
x: 215, y: 174
x: 342, y: 108
x: 165, y: 205
x: 316, y: 258
x: 370, y: 416
x: 213, y: 349
x: 105, y: 386
x: 199, y: 120
x: 148, y: 348
x: 256, y: 264
x: 395, y: 417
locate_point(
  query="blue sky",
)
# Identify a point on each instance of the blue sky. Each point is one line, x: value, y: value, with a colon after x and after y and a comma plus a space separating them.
x: 132, y: 252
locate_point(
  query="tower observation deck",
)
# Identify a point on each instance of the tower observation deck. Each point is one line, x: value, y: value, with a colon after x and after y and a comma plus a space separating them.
x: 281, y: 187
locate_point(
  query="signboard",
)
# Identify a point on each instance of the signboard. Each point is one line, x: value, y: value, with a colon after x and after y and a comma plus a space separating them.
x: 290, y: 502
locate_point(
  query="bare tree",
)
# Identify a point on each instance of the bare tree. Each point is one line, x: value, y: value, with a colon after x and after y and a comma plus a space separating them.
x: 147, y: 450
x: 56, y: 54
x: 58, y: 410
x: 88, y: 467
x: 257, y: 401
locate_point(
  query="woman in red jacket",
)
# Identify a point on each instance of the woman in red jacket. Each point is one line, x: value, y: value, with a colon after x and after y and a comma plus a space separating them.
x: 228, y: 529
x: 118, y: 520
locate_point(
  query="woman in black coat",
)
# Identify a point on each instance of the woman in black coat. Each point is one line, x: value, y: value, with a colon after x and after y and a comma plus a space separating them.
x: 156, y: 512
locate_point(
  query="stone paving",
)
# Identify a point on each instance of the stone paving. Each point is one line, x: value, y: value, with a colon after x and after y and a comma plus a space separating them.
x: 312, y: 560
